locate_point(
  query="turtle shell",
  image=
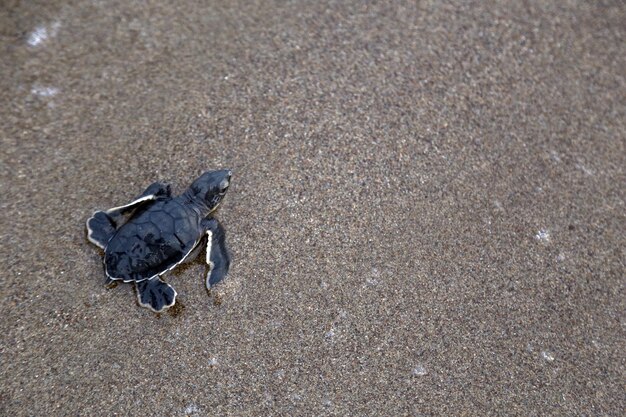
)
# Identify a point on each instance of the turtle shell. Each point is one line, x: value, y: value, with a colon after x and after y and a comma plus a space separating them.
x: 154, y: 240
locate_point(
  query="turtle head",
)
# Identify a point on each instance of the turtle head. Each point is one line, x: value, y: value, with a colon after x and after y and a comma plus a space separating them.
x: 210, y: 188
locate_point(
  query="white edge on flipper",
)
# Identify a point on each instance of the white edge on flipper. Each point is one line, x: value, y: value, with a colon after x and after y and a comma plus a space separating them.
x: 89, y: 232
x: 132, y: 203
x: 148, y: 305
x: 208, y: 258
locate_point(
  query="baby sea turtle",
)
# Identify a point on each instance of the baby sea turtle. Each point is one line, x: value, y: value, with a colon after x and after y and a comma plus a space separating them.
x: 154, y: 233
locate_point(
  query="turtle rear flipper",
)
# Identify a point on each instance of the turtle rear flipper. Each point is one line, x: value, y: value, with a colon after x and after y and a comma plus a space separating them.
x: 155, y: 294
x: 120, y: 215
x: 102, y: 225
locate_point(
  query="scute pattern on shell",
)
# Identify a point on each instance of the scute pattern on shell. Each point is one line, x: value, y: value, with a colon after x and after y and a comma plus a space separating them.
x: 153, y: 242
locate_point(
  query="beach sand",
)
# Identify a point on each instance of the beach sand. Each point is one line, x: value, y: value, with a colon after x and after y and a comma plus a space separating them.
x: 426, y: 215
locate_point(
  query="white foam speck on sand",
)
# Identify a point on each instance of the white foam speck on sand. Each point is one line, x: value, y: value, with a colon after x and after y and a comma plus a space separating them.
x: 547, y: 355
x: 37, y: 36
x: 42, y: 91
x: 419, y: 370
x: 330, y: 334
x: 41, y: 33
x: 371, y: 282
x: 555, y: 156
x: 191, y: 409
x: 213, y: 362
x: 543, y: 235
x: 584, y: 169
x: 296, y: 397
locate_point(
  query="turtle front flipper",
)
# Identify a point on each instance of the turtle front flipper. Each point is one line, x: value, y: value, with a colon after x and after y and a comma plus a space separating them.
x: 119, y: 215
x: 156, y: 189
x: 102, y: 225
x: 155, y: 294
x: 217, y: 256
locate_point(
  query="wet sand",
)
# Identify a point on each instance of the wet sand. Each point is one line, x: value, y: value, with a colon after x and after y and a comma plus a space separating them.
x: 426, y: 216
